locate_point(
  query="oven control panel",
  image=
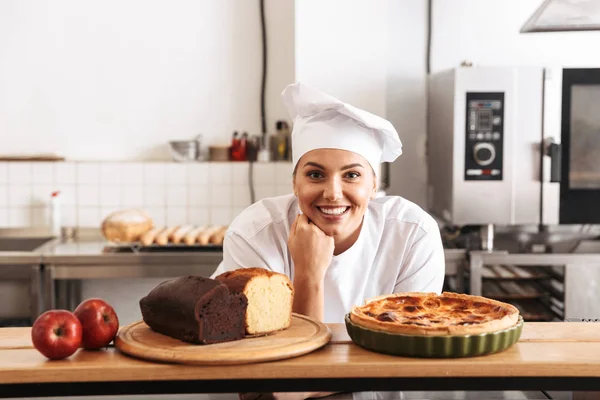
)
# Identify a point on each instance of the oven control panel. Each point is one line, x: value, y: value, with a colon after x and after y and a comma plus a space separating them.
x: 484, y: 136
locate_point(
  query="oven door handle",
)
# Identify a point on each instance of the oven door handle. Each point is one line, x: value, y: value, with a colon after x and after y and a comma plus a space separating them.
x: 554, y: 151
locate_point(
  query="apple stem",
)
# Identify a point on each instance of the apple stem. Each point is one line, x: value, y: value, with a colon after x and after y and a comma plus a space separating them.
x: 58, y: 331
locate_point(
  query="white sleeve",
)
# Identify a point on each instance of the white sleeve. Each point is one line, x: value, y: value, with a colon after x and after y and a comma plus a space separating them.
x: 238, y: 253
x: 425, y: 265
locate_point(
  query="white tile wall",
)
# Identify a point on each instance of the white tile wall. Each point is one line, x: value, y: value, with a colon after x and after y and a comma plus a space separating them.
x: 39, y: 216
x: 158, y: 215
x: 264, y: 174
x: 3, y: 195
x: 65, y: 173
x: 240, y: 195
x: 154, y: 195
x: 131, y: 173
x: 176, y: 216
x: 172, y: 193
x: 110, y: 196
x: 20, y: 173
x: 19, y: 217
x: 3, y: 216
x: 132, y: 196
x: 177, y: 196
x: 3, y: 173
x: 42, y: 173
x: 198, y: 174
x: 19, y: 195
x: 110, y: 174
x: 88, y: 173
x: 199, y: 216
x: 68, y: 215
x: 220, y: 173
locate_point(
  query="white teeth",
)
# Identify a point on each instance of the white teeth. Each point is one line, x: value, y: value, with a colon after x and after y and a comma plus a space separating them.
x: 333, y: 211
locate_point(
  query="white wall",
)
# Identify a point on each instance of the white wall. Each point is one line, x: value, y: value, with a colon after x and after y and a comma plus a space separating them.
x: 342, y: 49
x: 371, y: 53
x: 487, y: 32
x: 116, y: 80
x: 406, y: 91
x: 280, y: 22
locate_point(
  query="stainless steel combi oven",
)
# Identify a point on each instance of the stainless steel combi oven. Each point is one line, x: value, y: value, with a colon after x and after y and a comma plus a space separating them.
x: 514, y: 145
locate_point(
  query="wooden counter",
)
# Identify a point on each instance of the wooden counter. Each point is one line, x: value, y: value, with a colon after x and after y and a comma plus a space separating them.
x: 552, y: 356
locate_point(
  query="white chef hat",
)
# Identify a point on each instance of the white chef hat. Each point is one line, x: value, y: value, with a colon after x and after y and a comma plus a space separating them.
x: 322, y: 121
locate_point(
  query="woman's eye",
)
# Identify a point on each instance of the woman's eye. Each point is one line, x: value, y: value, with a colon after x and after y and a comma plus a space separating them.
x: 314, y: 175
x: 352, y: 175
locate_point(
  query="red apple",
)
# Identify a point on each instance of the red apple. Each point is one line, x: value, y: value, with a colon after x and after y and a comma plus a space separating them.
x: 56, y: 334
x: 99, y: 321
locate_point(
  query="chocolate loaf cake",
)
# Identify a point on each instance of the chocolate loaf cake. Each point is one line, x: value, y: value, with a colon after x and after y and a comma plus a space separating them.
x: 196, y: 310
x: 270, y: 297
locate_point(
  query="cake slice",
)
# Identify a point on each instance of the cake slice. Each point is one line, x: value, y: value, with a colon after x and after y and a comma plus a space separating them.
x: 195, y: 310
x: 270, y: 297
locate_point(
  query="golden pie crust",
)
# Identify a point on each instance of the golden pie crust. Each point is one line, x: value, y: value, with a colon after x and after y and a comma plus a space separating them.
x: 430, y: 314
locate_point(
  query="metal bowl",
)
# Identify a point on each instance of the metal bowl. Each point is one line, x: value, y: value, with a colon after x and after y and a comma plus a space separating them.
x: 185, y: 150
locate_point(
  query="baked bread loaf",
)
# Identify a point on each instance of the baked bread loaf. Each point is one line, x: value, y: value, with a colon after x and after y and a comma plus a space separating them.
x: 270, y: 297
x: 126, y: 226
x: 195, y: 310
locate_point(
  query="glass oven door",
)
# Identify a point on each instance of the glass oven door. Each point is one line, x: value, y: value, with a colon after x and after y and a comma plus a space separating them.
x: 580, y: 138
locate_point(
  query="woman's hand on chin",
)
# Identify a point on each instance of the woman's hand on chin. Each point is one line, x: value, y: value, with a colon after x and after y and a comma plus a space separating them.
x: 310, y: 248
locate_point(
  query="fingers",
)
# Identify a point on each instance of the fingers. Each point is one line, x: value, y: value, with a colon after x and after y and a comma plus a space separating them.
x: 303, y: 222
x: 294, y: 225
x: 303, y: 219
x: 300, y: 221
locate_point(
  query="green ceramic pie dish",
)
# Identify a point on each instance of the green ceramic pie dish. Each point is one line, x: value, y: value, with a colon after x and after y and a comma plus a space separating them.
x: 434, y: 346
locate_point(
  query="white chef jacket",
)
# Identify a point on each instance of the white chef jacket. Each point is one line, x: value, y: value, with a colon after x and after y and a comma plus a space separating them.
x: 399, y: 249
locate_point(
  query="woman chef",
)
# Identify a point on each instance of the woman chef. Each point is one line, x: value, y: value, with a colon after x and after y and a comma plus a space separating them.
x: 337, y: 242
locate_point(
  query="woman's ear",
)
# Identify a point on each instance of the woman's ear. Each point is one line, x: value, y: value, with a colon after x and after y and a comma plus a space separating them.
x: 294, y: 185
x: 375, y: 185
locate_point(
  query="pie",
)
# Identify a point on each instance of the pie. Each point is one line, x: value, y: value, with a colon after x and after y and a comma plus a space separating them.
x: 430, y: 314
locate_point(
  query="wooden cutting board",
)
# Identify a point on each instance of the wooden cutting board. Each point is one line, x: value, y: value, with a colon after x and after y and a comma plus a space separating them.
x: 303, y: 336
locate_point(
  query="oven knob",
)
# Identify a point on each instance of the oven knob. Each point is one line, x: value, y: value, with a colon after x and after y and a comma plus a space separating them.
x: 484, y: 153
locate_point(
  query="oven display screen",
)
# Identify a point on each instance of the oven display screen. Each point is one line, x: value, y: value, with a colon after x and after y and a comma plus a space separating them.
x: 484, y: 132
x: 485, y: 119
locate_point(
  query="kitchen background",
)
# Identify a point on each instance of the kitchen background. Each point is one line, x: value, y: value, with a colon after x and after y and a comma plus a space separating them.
x: 107, y: 85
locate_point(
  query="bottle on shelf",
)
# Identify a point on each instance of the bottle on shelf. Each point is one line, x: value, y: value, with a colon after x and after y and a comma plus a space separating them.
x: 55, y: 215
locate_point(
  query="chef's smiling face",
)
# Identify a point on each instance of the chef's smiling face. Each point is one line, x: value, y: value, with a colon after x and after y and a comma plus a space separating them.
x: 334, y: 188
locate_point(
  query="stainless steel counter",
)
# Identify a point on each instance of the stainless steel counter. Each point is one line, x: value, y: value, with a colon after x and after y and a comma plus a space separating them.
x: 69, y: 257
x: 57, y: 267
x: 66, y: 263
x: 20, y: 271
x: 25, y: 268
x: 14, y: 258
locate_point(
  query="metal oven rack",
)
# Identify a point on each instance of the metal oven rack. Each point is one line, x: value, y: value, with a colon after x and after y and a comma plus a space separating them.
x: 534, y: 283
